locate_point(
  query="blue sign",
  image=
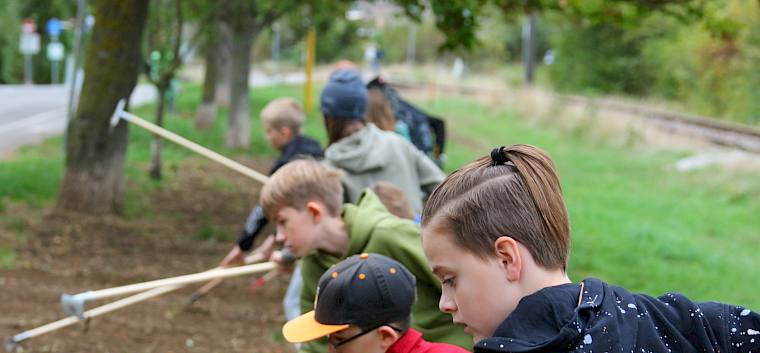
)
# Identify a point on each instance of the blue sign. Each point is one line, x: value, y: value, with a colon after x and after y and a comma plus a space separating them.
x: 54, y: 27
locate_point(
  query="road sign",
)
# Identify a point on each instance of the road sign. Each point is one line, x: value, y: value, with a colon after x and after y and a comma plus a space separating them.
x: 54, y: 27
x: 30, y: 43
x: 55, y: 51
x: 28, y: 26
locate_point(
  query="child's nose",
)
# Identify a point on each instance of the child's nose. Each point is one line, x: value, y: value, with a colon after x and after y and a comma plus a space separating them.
x: 280, y: 236
x: 446, y: 304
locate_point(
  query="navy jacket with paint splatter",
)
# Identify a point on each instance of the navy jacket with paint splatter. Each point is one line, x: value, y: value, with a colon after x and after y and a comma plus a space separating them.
x: 611, y: 319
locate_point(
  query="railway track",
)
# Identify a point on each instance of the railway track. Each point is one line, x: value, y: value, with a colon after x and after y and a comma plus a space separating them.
x: 720, y: 132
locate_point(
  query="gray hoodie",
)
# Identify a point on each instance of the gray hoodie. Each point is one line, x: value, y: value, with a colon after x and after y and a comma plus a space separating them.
x: 371, y: 155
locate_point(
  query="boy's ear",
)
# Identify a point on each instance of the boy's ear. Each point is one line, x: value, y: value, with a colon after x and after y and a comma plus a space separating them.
x: 508, y: 253
x: 316, y: 210
x: 388, y: 336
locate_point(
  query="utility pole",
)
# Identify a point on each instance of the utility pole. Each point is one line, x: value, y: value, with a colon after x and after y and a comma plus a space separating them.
x: 78, y: 35
x: 529, y: 45
x: 311, y: 43
x: 276, y: 42
x: 411, y: 44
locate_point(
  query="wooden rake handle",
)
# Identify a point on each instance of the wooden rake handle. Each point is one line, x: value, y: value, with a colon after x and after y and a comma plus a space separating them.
x: 120, y: 113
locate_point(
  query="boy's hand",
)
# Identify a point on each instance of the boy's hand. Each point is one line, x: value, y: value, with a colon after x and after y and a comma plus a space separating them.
x: 235, y: 257
x: 284, y: 258
x: 266, y: 248
x: 276, y: 257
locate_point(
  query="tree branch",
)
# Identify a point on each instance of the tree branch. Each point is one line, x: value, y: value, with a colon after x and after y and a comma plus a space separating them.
x: 270, y: 17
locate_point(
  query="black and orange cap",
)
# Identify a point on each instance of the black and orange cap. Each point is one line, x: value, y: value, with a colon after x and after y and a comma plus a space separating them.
x: 363, y: 290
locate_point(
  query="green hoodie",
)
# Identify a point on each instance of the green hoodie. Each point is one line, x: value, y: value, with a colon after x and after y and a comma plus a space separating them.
x: 372, y: 229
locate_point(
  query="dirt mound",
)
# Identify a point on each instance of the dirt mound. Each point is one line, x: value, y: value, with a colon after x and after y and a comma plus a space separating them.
x: 176, y: 228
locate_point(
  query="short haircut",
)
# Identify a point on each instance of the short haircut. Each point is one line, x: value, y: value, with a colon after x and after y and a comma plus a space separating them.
x: 284, y: 112
x: 520, y: 198
x: 300, y: 182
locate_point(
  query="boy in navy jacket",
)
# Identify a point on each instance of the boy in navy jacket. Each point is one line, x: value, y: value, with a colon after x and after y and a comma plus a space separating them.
x: 283, y: 120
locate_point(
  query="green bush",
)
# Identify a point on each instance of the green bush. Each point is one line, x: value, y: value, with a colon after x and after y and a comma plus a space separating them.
x: 709, y: 65
x: 338, y: 41
x: 599, y: 57
x: 712, y: 73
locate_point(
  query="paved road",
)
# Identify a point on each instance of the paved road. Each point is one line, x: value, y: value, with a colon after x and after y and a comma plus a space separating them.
x: 28, y: 114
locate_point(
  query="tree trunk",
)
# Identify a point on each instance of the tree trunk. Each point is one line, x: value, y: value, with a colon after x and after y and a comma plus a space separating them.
x: 93, y: 179
x: 207, y: 110
x: 238, y: 129
x: 223, y: 64
x: 155, y: 158
x: 155, y: 147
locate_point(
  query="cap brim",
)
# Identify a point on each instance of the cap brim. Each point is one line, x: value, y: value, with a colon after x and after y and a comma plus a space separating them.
x: 306, y: 328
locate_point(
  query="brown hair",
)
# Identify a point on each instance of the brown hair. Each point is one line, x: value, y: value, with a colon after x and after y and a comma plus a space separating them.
x: 393, y: 199
x: 284, y: 112
x: 339, y: 128
x: 299, y: 182
x: 515, y: 192
x: 379, y: 110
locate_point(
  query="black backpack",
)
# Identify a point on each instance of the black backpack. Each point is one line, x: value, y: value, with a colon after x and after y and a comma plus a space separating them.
x: 428, y: 133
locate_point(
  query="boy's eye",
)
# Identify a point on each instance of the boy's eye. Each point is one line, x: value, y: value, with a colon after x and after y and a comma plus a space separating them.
x: 449, y: 281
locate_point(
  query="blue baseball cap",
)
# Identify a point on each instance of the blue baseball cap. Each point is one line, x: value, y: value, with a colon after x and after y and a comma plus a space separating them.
x: 344, y: 96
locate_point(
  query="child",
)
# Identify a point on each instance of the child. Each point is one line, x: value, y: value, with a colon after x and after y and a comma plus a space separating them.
x: 497, y: 235
x: 283, y: 119
x: 366, y: 153
x: 364, y: 304
x: 305, y: 198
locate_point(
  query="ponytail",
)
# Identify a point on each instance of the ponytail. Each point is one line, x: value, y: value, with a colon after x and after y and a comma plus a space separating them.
x: 539, y: 174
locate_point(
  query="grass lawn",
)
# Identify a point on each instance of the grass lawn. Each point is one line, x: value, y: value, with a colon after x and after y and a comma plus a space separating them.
x: 636, y: 221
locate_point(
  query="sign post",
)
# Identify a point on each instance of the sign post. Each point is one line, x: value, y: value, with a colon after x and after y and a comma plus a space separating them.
x: 29, y: 45
x: 54, y: 48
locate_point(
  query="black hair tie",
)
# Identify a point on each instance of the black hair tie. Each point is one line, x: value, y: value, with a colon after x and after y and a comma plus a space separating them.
x: 497, y: 156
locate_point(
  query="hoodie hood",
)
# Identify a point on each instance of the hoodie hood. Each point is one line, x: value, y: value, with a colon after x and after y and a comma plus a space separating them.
x: 362, y: 218
x: 611, y: 319
x: 362, y: 152
x: 543, y: 321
